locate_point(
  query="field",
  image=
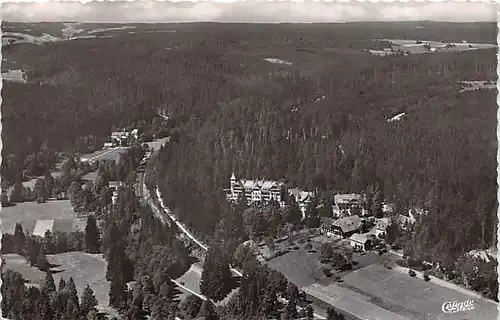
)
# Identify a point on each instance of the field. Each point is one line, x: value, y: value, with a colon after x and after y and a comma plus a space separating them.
x: 191, y: 280
x: 14, y: 76
x: 156, y: 144
x: 478, y: 85
x: 85, y: 269
x: 103, y: 155
x: 299, y: 266
x: 411, y: 297
x: 55, y: 215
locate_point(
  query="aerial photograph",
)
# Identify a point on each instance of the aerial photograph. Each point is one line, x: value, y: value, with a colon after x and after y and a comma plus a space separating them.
x: 248, y: 160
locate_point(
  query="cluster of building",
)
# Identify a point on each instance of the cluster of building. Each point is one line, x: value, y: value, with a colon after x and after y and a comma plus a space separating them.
x: 264, y: 191
x: 121, y: 138
x: 350, y: 216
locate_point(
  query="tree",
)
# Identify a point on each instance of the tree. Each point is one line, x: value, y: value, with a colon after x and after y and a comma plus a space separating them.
x: 49, y: 182
x: 309, y: 312
x: 165, y: 305
x: 19, y: 239
x: 4, y: 199
x: 16, y: 195
x: 61, y: 285
x: 89, y: 302
x: 377, y: 205
x: 92, y: 236
x: 312, y: 215
x: 40, y: 191
x: 207, y: 311
x: 135, y: 310
x: 73, y: 294
x: 41, y: 262
x: 117, y: 290
x: 190, y: 307
x: 49, y: 284
x: 216, y: 278
x: 326, y: 251
x: 293, y: 214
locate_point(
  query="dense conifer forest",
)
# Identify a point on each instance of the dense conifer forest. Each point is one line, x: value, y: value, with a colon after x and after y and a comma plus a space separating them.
x: 318, y: 121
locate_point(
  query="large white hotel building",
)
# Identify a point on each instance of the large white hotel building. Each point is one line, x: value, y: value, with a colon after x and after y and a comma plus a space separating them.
x: 265, y: 191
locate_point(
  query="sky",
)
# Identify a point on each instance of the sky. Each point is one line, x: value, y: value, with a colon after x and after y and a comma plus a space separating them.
x: 246, y: 11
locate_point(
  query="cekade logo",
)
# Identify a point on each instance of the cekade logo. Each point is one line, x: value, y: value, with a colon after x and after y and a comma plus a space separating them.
x: 455, y: 306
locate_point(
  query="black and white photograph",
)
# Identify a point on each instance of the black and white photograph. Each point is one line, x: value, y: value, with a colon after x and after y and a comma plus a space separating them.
x: 249, y: 160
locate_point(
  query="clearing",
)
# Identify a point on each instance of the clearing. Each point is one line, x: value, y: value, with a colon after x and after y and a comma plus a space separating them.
x: 106, y: 154
x: 85, y: 268
x: 54, y: 215
x: 411, y: 297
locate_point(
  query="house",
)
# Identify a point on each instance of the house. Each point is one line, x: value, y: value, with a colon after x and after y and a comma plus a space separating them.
x: 303, y: 198
x: 118, y: 137
x: 381, y: 227
x: 344, y: 227
x: 388, y: 207
x: 348, y: 204
x: 361, y: 242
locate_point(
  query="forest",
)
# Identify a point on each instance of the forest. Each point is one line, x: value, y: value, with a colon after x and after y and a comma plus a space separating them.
x: 319, y: 122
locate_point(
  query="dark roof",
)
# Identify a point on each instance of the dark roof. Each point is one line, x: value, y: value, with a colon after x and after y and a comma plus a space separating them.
x: 348, y: 224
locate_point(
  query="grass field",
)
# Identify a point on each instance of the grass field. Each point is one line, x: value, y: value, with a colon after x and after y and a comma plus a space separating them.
x: 102, y: 155
x: 58, y: 214
x: 156, y: 144
x: 85, y: 269
x: 412, y: 297
x: 299, y: 267
x: 191, y: 280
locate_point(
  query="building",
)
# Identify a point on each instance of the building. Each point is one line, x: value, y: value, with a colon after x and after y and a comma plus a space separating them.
x: 342, y: 228
x: 388, y: 207
x: 349, y: 204
x: 381, y: 227
x: 265, y: 191
x: 303, y: 198
x: 119, y: 137
x: 254, y: 190
x: 361, y: 242
x: 108, y: 145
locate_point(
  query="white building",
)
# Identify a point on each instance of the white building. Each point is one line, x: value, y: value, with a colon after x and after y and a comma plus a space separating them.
x: 254, y: 190
x: 303, y: 198
x: 348, y: 204
x: 361, y: 242
x: 265, y: 191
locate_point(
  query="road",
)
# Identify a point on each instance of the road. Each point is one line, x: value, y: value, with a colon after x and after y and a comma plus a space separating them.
x: 164, y: 211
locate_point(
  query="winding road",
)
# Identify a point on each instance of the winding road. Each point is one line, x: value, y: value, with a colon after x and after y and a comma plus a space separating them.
x: 164, y: 211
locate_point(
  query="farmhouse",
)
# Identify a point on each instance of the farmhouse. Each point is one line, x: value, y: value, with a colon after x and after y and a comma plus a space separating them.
x: 303, y: 198
x: 381, y: 226
x: 118, y: 138
x: 342, y: 228
x: 388, y: 207
x: 348, y: 204
x: 361, y: 242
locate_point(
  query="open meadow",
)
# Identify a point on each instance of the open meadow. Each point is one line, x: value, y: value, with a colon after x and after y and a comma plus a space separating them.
x: 105, y: 155
x: 412, y: 297
x: 85, y: 268
x: 53, y: 215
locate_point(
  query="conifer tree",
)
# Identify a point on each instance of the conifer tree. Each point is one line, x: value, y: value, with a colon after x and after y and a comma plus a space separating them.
x: 49, y: 284
x: 92, y: 236
x: 89, y: 302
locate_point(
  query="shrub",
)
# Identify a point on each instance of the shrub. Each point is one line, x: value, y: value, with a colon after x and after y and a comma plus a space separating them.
x: 412, y: 273
x: 308, y: 246
x: 327, y: 272
x: 426, y: 277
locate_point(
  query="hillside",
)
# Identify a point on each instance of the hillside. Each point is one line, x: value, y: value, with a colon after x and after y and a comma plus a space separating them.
x: 318, y: 120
